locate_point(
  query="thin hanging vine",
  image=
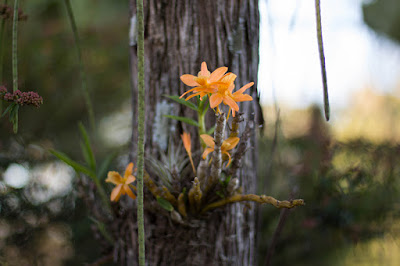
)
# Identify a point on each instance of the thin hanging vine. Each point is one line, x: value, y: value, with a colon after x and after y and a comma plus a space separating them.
x: 322, y: 58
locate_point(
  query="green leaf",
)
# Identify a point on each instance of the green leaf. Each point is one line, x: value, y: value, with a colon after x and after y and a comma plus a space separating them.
x: 8, y: 109
x: 182, y: 101
x: 183, y: 119
x: 102, y: 229
x: 219, y: 193
x: 13, y: 116
x: 85, y: 153
x: 89, y: 156
x: 105, y: 164
x: 210, y: 131
x: 165, y: 204
x: 226, y: 181
x: 77, y: 166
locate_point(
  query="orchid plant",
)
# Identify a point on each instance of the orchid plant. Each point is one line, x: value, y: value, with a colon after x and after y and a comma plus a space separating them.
x: 214, y: 182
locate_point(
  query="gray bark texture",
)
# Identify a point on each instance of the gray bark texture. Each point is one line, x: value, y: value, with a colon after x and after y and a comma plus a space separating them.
x: 179, y: 36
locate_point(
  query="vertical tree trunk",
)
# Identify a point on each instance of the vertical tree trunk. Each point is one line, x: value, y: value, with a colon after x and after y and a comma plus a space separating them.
x: 179, y: 35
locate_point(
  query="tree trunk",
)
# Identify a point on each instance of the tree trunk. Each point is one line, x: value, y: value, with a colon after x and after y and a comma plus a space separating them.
x: 179, y: 35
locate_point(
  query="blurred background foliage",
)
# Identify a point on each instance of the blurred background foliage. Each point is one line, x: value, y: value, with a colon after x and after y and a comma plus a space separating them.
x: 347, y: 174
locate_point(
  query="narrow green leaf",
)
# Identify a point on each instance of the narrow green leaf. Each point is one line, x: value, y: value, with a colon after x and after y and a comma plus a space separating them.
x: 8, y: 109
x: 165, y: 204
x: 182, y: 101
x: 210, y: 131
x: 102, y: 229
x: 90, y: 156
x: 85, y: 153
x: 77, y: 166
x: 105, y: 164
x: 183, y: 119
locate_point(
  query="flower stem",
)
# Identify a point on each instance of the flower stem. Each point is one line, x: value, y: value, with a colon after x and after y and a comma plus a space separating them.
x: 14, y: 47
x: 202, y: 125
x: 89, y: 105
x: 2, y: 30
x: 141, y: 125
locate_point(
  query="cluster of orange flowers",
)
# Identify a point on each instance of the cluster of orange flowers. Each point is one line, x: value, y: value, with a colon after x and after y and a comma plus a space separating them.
x: 219, y: 85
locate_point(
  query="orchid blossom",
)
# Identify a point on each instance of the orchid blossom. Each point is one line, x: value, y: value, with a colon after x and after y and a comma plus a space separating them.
x: 203, y: 82
x: 123, y: 184
x: 226, y: 146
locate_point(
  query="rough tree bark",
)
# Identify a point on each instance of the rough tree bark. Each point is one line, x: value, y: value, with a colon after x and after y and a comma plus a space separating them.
x: 179, y: 35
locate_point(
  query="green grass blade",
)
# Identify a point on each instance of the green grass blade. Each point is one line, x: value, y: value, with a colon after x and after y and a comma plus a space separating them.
x: 183, y: 119
x: 77, y: 166
x: 182, y: 101
x: 91, y: 161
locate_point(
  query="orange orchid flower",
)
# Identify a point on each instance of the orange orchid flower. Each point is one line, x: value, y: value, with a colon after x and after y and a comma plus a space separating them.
x: 123, y: 184
x: 187, y: 143
x: 224, y: 94
x: 203, y: 82
x: 226, y: 146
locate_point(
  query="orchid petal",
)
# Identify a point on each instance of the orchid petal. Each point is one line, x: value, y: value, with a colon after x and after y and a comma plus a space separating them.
x: 242, y: 98
x: 189, y: 80
x: 217, y: 74
x: 128, y: 170
x: 215, y: 100
x: 206, y: 152
x: 116, y: 193
x: 228, y: 78
x: 230, y: 143
x: 193, y: 95
x: 194, y: 89
x: 204, y: 71
x: 229, y: 160
x: 114, y: 177
x: 128, y: 191
x: 130, y: 179
x: 208, y: 140
x: 229, y: 101
x: 245, y: 87
x: 231, y: 87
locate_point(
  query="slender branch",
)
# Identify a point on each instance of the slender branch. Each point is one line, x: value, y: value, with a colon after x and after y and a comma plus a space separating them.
x: 14, y: 47
x: 235, y: 125
x: 256, y: 198
x: 219, y: 134
x: 240, y: 151
x: 322, y: 58
x: 89, y: 105
x: 141, y: 125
